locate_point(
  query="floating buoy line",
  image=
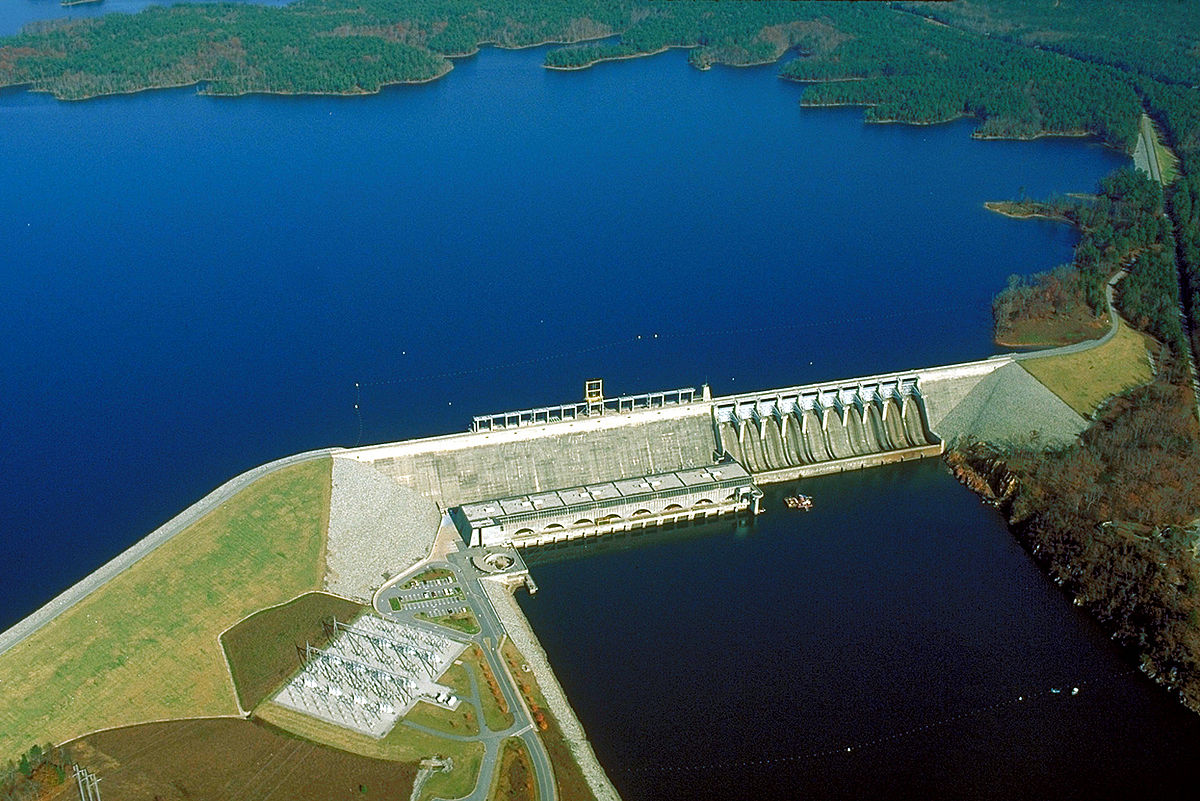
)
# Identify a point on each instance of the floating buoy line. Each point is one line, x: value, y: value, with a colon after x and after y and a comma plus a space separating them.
x: 622, y: 343
x: 1060, y: 694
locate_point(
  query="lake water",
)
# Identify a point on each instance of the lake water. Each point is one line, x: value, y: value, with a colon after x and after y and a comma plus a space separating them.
x: 898, y: 619
x: 192, y: 286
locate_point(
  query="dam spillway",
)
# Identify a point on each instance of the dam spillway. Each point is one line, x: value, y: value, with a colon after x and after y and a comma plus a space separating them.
x: 822, y: 428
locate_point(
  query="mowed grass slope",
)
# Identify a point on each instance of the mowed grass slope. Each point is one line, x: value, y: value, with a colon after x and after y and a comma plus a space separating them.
x: 401, y: 744
x: 1168, y: 162
x: 145, y: 645
x: 1085, y: 380
x: 262, y: 648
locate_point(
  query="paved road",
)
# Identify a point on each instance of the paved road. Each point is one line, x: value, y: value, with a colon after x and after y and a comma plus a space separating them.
x: 166, y: 531
x: 1080, y: 347
x: 1146, y: 138
x: 491, y: 634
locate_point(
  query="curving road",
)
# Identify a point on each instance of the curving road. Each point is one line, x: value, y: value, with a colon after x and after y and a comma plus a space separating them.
x: 101, y: 576
x: 1087, y: 344
x: 491, y: 635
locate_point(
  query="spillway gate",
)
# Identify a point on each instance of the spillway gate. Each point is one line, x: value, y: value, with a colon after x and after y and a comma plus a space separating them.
x: 825, y: 428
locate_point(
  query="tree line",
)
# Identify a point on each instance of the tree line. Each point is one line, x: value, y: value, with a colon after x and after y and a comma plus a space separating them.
x: 33, y: 773
x: 904, y: 69
x: 896, y: 63
x: 1108, y: 518
x: 1123, y: 226
x: 1153, y: 46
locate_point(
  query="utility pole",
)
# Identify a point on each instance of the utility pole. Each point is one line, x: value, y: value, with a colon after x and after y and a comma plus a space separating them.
x: 88, y: 783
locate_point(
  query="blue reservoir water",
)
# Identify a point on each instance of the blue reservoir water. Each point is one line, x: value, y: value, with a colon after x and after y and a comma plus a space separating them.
x: 192, y: 286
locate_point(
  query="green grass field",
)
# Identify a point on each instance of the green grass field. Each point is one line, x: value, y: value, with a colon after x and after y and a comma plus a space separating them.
x: 461, y: 721
x: 431, y: 574
x: 1060, y: 330
x: 145, y: 645
x: 402, y: 744
x: 1168, y: 162
x: 262, y: 648
x: 1084, y: 380
x: 513, y: 779
x: 496, y: 713
x: 229, y: 759
x: 459, y: 621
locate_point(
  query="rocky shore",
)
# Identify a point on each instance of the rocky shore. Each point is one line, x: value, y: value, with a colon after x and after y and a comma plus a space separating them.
x: 520, y: 632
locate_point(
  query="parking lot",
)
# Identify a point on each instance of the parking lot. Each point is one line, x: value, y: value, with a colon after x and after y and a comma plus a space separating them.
x: 436, y: 597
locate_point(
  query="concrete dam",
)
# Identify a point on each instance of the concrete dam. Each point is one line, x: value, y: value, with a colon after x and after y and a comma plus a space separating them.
x: 607, y: 465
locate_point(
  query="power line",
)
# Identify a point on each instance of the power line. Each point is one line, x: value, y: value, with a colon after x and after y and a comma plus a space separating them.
x: 88, y: 783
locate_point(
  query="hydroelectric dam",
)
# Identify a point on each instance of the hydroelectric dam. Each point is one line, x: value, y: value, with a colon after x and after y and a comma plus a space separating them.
x: 607, y: 465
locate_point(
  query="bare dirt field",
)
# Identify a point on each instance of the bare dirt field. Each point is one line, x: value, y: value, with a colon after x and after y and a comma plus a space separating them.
x: 232, y: 759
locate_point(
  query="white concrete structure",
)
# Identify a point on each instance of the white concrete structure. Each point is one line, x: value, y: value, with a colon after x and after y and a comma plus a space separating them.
x: 608, y: 507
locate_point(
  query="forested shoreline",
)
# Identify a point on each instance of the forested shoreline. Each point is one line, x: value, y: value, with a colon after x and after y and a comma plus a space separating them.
x: 908, y: 62
x: 902, y: 62
x: 1108, y: 519
x: 1113, y: 518
x: 1122, y: 227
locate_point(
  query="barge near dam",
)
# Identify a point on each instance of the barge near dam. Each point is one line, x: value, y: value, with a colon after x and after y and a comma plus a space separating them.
x: 607, y: 465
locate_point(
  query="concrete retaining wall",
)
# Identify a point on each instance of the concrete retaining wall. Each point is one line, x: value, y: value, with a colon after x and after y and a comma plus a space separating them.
x: 943, y: 388
x: 843, y: 465
x: 465, y: 468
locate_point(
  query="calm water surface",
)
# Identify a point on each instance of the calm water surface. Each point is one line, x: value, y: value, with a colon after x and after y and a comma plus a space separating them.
x: 898, y: 619
x: 192, y: 286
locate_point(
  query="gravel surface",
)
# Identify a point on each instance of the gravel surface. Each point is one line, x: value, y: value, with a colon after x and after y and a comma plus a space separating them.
x: 376, y: 526
x: 1007, y: 407
x: 519, y: 631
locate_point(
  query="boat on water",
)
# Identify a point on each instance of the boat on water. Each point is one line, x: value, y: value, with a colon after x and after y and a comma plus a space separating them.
x: 801, y: 502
